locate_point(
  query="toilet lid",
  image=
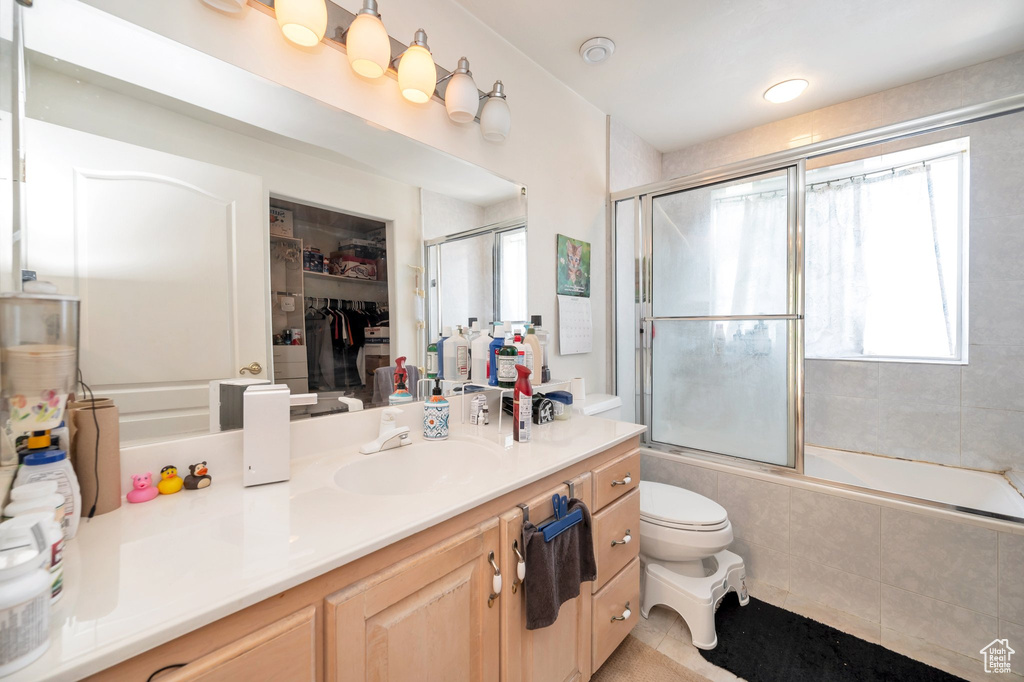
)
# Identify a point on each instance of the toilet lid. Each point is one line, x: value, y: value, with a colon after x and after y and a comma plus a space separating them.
x: 668, y: 505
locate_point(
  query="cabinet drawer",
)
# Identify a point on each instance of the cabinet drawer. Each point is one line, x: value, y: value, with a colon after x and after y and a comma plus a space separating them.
x: 289, y: 353
x: 612, y: 524
x: 610, y: 480
x: 289, y: 370
x: 611, y: 602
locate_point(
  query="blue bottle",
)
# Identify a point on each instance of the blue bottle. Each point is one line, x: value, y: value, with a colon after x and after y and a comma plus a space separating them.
x: 445, y: 333
x: 492, y: 350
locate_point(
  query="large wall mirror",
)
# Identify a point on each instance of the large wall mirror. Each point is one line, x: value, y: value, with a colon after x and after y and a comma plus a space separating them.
x: 230, y: 228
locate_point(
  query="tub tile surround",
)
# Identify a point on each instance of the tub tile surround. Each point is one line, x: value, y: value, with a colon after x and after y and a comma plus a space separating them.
x: 970, y: 416
x: 936, y: 586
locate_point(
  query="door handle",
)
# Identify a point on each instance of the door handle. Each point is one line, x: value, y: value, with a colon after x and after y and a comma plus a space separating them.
x: 252, y: 368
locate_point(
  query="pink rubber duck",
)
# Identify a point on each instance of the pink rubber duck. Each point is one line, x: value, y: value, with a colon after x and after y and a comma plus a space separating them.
x: 144, y: 490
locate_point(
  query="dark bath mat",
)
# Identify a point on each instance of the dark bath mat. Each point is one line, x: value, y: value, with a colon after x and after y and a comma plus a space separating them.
x: 764, y: 643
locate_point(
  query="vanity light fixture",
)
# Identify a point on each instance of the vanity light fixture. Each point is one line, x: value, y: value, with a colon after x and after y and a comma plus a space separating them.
x: 461, y: 98
x: 227, y: 6
x: 495, y: 117
x: 417, y: 75
x: 785, y: 91
x: 367, y: 42
x: 303, y: 22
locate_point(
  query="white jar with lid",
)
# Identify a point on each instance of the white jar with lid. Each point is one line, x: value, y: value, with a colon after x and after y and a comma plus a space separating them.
x: 54, y: 539
x: 24, y: 597
x: 36, y: 497
x: 53, y: 465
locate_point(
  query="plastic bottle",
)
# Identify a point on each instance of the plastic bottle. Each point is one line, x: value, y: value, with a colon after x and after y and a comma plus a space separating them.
x: 25, y: 590
x: 36, y: 497
x: 522, y: 406
x: 543, y: 337
x: 536, y: 353
x: 472, y: 331
x: 524, y: 351
x: 508, y: 358
x: 492, y: 353
x: 459, y: 356
x: 53, y: 465
x: 54, y: 539
x: 432, y: 360
x: 445, y: 333
x: 435, y: 415
x: 479, y: 348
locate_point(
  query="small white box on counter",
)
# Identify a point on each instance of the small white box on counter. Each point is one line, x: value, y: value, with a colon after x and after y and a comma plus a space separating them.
x: 281, y: 224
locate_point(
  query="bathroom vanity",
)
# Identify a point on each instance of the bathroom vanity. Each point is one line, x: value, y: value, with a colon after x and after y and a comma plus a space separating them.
x: 307, y: 579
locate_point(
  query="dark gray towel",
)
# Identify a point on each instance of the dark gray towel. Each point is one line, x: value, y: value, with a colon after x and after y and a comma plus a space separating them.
x: 554, y: 570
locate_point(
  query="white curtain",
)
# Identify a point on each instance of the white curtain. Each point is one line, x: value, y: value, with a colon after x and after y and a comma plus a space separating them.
x: 748, y: 246
x: 882, y: 263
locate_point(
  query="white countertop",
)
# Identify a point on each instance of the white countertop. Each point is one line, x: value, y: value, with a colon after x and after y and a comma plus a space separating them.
x: 148, y: 573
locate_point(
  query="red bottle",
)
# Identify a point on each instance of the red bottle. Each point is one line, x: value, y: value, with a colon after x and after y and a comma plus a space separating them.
x: 522, y: 406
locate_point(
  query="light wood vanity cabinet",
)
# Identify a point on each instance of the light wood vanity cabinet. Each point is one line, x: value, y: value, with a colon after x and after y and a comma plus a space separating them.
x: 424, y: 608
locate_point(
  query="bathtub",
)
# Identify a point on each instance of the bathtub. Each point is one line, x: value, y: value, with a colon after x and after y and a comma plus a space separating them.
x: 966, y: 489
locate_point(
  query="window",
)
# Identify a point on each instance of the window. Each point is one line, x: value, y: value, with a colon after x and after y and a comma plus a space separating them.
x: 885, y: 241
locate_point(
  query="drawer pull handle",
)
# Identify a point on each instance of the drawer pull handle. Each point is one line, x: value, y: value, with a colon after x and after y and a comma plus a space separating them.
x: 625, y: 614
x: 495, y: 582
x: 520, y: 567
x: 625, y: 539
x: 626, y: 481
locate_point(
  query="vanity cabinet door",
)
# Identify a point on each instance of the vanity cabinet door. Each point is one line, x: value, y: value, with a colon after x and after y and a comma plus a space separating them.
x: 285, y: 649
x: 561, y: 651
x: 425, y: 618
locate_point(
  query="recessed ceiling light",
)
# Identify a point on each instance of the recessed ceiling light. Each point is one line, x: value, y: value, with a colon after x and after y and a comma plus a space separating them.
x: 785, y: 91
x: 597, y: 50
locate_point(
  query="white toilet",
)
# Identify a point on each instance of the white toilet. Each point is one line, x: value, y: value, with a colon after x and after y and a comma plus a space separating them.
x: 685, y: 563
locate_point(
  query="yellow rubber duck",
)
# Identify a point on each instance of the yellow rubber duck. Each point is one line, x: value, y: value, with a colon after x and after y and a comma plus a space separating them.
x: 170, y: 482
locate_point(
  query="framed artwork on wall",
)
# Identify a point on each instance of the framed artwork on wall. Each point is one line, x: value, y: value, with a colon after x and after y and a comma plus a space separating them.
x: 573, y: 267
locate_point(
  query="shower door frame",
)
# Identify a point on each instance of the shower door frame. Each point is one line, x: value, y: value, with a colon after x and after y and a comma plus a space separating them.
x: 642, y: 197
x: 645, y: 318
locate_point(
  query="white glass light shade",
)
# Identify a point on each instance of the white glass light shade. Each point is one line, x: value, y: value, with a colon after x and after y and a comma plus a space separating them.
x: 303, y: 22
x: 785, y: 91
x: 368, y: 46
x: 227, y: 6
x: 461, y: 98
x: 495, y: 119
x: 417, y: 75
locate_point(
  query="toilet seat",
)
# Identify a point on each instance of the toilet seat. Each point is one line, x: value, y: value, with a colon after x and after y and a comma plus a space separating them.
x: 671, y: 507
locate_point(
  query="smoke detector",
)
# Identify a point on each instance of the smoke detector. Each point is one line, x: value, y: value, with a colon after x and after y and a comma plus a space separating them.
x: 597, y: 50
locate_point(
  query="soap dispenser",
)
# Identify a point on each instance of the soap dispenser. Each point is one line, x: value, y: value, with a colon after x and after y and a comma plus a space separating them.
x: 435, y: 415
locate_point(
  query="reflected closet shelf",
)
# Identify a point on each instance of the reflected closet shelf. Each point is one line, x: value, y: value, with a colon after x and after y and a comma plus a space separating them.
x: 353, y: 280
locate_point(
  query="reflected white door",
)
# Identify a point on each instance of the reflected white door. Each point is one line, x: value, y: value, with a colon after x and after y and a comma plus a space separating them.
x: 168, y: 256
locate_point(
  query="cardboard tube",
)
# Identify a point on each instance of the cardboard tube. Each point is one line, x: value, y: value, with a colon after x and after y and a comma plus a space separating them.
x: 107, y: 475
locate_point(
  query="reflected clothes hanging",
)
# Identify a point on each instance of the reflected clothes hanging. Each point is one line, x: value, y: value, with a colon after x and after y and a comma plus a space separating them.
x: 319, y: 353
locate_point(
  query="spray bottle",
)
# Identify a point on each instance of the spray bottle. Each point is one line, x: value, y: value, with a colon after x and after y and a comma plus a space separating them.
x: 522, y: 406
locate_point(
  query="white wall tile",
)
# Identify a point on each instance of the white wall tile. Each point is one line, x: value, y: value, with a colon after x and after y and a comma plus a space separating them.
x: 863, y: 113
x: 1015, y: 633
x: 919, y: 431
x: 835, y: 531
x: 992, y: 439
x: 698, y: 479
x: 794, y: 131
x: 994, y: 376
x: 838, y: 589
x: 997, y: 248
x: 899, y: 382
x: 763, y: 564
x: 921, y: 98
x: 955, y: 628
x: 841, y: 377
x: 841, y: 422
x: 997, y: 175
x: 939, y: 558
x: 1011, y: 578
x: 758, y: 510
x: 683, y: 162
x: 997, y: 312
x: 994, y: 79
x: 935, y: 656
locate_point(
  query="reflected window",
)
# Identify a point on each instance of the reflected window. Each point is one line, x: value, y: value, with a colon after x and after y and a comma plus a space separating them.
x: 885, y: 256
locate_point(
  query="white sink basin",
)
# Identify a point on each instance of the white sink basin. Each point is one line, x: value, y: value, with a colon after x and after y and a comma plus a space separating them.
x: 422, y: 467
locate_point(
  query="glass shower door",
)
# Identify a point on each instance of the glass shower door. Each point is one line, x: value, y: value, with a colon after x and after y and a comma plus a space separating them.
x: 723, y: 322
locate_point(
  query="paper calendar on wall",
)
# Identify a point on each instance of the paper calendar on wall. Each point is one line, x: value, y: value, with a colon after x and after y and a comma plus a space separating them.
x: 575, y: 325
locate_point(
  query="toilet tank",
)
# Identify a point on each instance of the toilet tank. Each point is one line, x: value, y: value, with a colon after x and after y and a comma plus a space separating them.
x: 600, y: 405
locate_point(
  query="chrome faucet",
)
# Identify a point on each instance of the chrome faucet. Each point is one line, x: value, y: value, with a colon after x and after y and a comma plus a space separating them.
x: 389, y: 435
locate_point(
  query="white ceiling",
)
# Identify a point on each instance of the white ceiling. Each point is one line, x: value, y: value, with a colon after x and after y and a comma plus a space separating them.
x: 691, y: 70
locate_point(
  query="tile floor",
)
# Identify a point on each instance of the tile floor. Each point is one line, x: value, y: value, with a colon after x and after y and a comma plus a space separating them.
x: 666, y: 632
